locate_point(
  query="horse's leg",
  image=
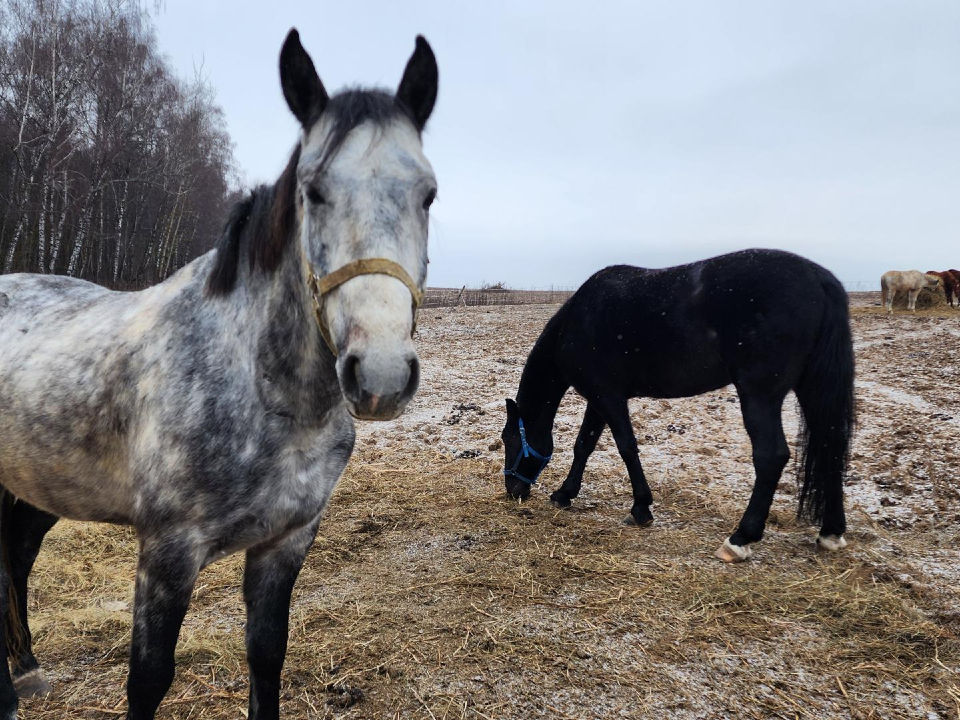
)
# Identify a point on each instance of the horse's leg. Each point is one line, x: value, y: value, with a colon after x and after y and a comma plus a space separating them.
x: 28, y: 526
x: 834, y: 523
x: 268, y: 579
x: 8, y: 696
x: 912, y: 296
x: 166, y: 572
x: 590, y: 431
x: 761, y: 418
x: 617, y: 414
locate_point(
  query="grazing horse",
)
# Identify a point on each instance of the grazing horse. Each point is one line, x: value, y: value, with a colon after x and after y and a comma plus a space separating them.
x: 955, y: 274
x: 767, y: 321
x: 911, y: 282
x: 950, y: 287
x: 212, y: 412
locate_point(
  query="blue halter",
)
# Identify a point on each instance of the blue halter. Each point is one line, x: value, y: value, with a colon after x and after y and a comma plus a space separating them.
x: 527, y: 452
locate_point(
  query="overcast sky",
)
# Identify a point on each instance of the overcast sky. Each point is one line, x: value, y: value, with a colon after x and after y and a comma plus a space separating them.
x: 572, y: 135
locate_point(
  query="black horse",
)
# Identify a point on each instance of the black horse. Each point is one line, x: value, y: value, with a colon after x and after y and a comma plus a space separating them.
x: 767, y: 321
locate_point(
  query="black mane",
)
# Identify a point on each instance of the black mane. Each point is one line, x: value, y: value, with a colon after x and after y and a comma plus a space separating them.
x: 267, y: 215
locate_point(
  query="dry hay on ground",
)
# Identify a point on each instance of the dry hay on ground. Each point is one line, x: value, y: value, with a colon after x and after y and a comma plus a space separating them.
x: 929, y: 298
x: 428, y: 595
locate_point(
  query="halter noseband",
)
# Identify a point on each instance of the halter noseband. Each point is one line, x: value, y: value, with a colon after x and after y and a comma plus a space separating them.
x: 527, y: 451
x: 321, y: 286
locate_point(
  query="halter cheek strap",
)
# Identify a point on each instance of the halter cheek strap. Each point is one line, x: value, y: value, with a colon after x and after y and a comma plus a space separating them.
x: 320, y: 286
x: 525, y: 452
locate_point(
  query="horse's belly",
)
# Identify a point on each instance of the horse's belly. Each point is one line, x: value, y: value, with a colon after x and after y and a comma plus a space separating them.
x: 62, y: 443
x: 686, y: 374
x: 67, y: 485
x: 681, y: 387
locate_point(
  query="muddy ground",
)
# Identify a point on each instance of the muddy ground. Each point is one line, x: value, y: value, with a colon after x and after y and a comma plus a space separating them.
x: 429, y: 595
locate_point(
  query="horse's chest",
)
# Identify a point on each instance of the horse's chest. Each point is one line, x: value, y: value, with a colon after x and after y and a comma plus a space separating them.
x: 291, y: 493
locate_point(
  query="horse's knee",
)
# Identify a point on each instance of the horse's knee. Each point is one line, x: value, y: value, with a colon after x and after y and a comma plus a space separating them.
x: 771, y: 462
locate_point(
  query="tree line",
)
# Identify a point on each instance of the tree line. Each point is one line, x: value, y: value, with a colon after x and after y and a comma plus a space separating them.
x: 111, y: 168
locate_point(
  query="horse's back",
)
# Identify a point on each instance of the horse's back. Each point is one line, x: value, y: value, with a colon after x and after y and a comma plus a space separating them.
x: 689, y: 329
x: 44, y: 289
x: 42, y: 300
x: 48, y: 323
x: 904, y: 280
x: 764, y: 303
x: 748, y: 286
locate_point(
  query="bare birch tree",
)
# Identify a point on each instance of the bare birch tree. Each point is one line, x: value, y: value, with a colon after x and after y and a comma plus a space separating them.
x: 111, y: 167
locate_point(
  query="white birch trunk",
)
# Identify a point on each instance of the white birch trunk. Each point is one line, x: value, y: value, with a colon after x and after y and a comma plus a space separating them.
x: 42, y: 239
x: 64, y: 211
x: 121, y: 212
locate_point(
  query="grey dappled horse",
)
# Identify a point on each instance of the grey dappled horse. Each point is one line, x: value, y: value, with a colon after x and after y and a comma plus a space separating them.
x: 212, y: 411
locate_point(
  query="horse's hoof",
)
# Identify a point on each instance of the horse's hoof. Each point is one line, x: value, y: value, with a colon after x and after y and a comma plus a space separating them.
x: 561, y: 503
x: 631, y: 520
x: 32, y: 684
x: 642, y: 517
x: 730, y: 553
x: 831, y: 543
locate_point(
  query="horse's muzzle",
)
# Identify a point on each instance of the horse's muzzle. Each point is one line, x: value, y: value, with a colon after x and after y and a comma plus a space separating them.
x: 377, y: 387
x: 517, y: 489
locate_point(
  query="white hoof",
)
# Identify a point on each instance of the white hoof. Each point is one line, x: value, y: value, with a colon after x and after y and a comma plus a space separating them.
x: 831, y: 542
x: 730, y: 553
x: 32, y: 684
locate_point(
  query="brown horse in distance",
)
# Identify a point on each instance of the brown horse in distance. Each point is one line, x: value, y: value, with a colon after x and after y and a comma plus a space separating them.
x: 956, y: 279
x: 951, y: 283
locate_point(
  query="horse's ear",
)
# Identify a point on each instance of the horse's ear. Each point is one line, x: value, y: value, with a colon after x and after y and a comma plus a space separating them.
x: 418, y: 86
x: 513, y: 412
x: 305, y: 94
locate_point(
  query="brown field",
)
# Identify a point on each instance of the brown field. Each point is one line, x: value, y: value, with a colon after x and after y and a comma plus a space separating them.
x: 467, y: 297
x: 429, y: 595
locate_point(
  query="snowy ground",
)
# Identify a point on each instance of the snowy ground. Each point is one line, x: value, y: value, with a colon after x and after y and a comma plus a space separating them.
x: 429, y: 595
x: 905, y: 468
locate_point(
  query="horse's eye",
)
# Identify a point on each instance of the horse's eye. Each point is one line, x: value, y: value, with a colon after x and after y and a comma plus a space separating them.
x: 428, y: 200
x: 314, y: 196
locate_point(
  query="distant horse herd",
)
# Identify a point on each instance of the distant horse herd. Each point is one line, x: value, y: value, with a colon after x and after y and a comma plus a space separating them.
x: 214, y: 411
x: 913, y: 282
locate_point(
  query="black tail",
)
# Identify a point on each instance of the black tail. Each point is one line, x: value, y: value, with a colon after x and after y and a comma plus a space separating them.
x: 13, y: 628
x: 825, y: 392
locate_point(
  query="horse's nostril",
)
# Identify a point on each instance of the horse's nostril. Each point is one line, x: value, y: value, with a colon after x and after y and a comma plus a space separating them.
x: 350, y: 377
x: 414, y: 380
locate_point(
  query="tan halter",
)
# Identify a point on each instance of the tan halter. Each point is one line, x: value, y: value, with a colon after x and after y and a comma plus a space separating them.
x: 320, y: 286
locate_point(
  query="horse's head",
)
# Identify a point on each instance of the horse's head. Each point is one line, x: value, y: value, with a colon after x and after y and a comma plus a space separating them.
x: 522, y: 463
x: 365, y: 189
x: 933, y: 280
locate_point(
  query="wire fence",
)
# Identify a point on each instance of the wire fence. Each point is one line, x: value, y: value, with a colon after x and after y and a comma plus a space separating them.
x: 861, y: 285
x: 452, y: 297
x: 473, y: 297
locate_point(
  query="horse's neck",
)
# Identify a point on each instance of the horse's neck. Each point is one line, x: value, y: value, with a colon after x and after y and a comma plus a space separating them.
x: 542, y: 388
x: 286, y: 342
